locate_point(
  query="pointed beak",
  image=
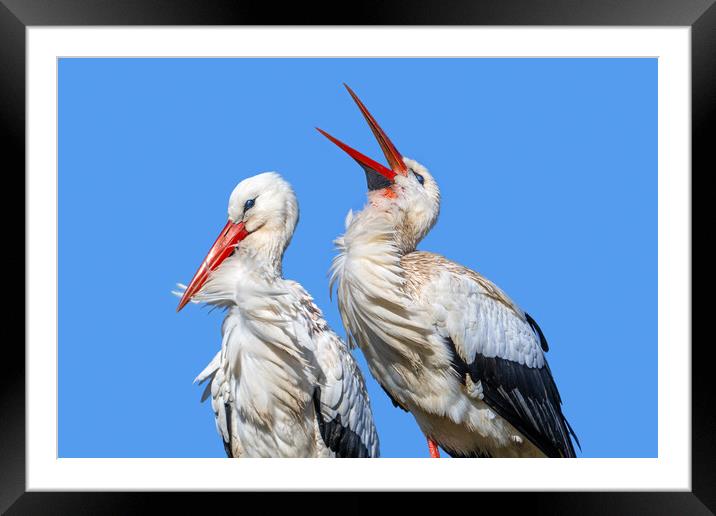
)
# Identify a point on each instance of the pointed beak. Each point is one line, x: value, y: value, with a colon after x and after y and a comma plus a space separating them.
x: 223, y: 247
x: 395, y: 160
x: 377, y: 175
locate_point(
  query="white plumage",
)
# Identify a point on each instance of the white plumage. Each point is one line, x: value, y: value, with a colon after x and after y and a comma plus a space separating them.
x: 283, y: 384
x: 445, y: 343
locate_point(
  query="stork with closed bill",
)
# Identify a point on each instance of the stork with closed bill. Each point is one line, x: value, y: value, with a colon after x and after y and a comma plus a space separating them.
x: 444, y: 342
x: 283, y: 384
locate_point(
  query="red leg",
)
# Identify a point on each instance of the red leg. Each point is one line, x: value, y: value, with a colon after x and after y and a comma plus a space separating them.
x: 433, y: 447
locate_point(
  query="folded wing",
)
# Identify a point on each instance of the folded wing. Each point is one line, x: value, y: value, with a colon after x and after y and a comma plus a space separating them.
x: 497, y: 350
x: 341, y: 402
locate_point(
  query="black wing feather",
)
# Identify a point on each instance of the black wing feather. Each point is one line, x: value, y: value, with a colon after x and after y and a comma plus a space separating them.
x: 526, y: 397
x: 340, y: 439
x: 535, y: 326
x: 227, y: 446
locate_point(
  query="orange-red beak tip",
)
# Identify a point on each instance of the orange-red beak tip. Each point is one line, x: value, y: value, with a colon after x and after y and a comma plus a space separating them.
x: 223, y: 247
x: 363, y: 160
x: 395, y: 159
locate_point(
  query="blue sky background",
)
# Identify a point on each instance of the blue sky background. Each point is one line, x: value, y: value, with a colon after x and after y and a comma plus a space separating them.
x: 548, y: 172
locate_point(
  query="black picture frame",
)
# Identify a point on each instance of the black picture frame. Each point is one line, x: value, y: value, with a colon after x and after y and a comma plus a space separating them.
x: 17, y: 15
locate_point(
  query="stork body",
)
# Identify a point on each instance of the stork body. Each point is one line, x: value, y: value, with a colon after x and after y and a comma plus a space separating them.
x: 283, y: 384
x: 445, y: 343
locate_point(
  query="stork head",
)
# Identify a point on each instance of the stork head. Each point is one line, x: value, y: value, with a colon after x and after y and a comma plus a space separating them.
x: 404, y: 190
x: 263, y: 213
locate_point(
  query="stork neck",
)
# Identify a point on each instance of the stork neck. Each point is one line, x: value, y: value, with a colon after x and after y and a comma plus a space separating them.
x: 374, y: 233
x: 380, y: 224
x: 405, y: 239
x: 265, y: 249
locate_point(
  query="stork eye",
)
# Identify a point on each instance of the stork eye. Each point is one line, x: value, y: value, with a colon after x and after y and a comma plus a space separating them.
x: 420, y: 178
x: 249, y: 204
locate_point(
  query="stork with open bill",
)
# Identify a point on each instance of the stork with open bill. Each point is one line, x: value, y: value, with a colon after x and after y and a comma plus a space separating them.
x: 445, y: 343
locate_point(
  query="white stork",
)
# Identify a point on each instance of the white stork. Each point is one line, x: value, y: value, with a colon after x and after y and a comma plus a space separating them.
x: 445, y: 343
x: 283, y: 384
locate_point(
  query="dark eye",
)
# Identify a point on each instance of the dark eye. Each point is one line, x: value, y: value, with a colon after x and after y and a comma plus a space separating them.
x: 420, y: 178
x: 249, y: 204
